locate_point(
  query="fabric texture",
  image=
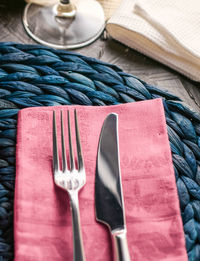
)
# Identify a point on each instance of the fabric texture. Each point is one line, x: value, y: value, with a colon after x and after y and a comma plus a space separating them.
x: 168, y: 31
x: 42, y: 220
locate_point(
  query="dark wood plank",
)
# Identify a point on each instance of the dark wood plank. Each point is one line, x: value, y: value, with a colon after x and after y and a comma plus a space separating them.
x: 11, y: 29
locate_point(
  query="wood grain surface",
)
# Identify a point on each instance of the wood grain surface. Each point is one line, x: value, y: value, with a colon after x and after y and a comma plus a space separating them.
x: 11, y: 29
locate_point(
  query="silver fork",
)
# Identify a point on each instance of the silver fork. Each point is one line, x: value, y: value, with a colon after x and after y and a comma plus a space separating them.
x: 70, y: 179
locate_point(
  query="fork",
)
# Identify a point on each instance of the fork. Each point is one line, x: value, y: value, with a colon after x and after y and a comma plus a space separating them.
x: 70, y: 178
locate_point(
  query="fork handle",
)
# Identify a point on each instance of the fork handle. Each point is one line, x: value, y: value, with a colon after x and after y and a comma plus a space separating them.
x: 78, y: 250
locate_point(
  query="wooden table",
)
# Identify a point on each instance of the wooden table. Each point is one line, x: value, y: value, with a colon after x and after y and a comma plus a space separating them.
x: 11, y: 29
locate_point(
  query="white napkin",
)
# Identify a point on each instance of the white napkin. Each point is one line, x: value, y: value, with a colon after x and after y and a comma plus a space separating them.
x: 168, y: 31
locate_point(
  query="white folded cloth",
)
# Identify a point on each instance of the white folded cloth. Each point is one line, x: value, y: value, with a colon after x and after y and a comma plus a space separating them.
x: 168, y: 31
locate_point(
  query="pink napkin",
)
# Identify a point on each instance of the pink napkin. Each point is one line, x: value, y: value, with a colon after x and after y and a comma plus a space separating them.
x: 43, y: 230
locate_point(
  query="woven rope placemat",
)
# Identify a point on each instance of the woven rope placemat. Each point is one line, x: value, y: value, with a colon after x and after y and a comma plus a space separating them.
x: 33, y: 75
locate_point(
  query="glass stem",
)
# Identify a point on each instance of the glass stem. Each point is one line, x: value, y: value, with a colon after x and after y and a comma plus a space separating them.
x: 64, y: 2
x: 65, y: 9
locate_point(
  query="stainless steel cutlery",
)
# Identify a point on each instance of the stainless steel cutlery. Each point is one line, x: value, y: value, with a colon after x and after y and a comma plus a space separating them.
x: 108, y: 187
x: 109, y: 203
x: 70, y: 179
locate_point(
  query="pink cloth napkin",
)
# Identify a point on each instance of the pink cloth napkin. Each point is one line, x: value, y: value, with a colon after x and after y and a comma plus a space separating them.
x: 43, y: 230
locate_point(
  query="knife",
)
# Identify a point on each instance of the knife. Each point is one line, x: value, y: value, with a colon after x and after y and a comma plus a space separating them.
x: 108, y: 188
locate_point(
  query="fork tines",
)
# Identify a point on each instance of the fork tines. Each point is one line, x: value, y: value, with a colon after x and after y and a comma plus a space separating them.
x: 56, y: 165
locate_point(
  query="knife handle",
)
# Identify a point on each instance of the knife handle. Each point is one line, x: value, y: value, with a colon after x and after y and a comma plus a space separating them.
x: 121, y: 252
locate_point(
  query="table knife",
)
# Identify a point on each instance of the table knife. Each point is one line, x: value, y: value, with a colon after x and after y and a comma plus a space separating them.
x: 109, y: 203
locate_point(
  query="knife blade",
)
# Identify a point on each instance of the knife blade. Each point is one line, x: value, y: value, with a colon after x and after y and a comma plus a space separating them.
x: 109, y: 202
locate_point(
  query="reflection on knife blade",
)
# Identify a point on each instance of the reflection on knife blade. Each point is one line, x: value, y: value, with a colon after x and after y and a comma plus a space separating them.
x: 108, y: 187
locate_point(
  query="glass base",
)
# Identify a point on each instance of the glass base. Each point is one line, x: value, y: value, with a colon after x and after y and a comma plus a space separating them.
x: 44, y: 25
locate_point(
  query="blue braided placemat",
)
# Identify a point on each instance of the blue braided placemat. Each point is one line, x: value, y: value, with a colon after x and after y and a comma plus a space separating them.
x: 33, y: 75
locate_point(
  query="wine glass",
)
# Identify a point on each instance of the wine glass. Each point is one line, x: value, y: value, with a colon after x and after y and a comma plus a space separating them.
x: 66, y: 24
